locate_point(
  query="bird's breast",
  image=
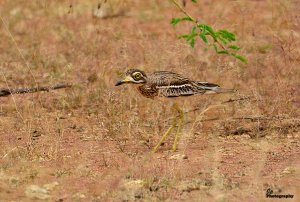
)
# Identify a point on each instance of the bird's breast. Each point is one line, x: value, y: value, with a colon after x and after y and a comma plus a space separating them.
x: 148, y: 91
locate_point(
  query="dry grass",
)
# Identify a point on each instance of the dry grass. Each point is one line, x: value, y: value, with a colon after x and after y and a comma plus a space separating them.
x: 94, y: 139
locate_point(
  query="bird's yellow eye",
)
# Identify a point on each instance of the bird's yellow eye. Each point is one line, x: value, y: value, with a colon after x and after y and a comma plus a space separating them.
x: 137, y: 76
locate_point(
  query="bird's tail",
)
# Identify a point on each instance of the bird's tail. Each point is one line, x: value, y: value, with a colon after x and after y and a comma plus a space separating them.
x: 225, y: 90
x: 209, y: 88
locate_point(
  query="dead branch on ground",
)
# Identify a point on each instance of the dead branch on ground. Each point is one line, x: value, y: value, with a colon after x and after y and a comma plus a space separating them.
x: 7, y: 91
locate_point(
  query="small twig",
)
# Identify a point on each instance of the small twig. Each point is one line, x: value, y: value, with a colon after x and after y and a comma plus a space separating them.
x: 255, y: 118
x: 184, y: 11
x: 202, y: 120
x: 243, y: 130
x: 238, y: 99
x: 218, y: 42
x: 258, y: 118
x: 13, y: 149
x: 6, y: 92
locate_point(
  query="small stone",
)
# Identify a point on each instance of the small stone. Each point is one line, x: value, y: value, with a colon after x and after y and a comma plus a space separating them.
x: 134, y: 184
x: 37, y: 192
x: 288, y: 170
x: 178, y: 156
x: 51, y: 186
x: 79, y: 196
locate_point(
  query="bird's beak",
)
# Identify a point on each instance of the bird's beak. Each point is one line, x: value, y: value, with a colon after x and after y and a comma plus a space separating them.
x: 119, y: 83
x: 126, y: 80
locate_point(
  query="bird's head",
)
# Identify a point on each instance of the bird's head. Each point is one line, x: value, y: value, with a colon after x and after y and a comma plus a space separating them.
x: 134, y: 76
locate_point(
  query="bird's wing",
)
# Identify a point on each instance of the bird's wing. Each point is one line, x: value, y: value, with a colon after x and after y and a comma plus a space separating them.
x: 206, y: 87
x: 170, y: 84
x: 165, y: 78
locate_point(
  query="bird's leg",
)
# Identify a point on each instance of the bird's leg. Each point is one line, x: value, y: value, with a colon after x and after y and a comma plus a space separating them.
x: 167, y: 133
x: 180, y: 121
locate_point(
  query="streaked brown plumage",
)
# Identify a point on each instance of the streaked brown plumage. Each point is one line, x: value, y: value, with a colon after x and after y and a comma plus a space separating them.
x: 168, y: 84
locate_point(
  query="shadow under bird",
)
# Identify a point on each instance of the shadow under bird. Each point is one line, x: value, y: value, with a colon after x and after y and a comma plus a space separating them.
x: 169, y: 84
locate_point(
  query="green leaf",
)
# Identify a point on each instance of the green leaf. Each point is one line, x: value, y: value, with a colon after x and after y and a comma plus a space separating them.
x: 192, y: 42
x: 175, y: 21
x: 223, y: 52
x: 209, y: 30
x: 184, y: 36
x: 223, y: 40
x: 191, y: 37
x: 194, y: 1
x: 234, y: 47
x: 203, y: 37
x: 241, y: 58
x: 226, y: 35
x: 192, y: 34
x: 193, y: 29
x: 202, y: 34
